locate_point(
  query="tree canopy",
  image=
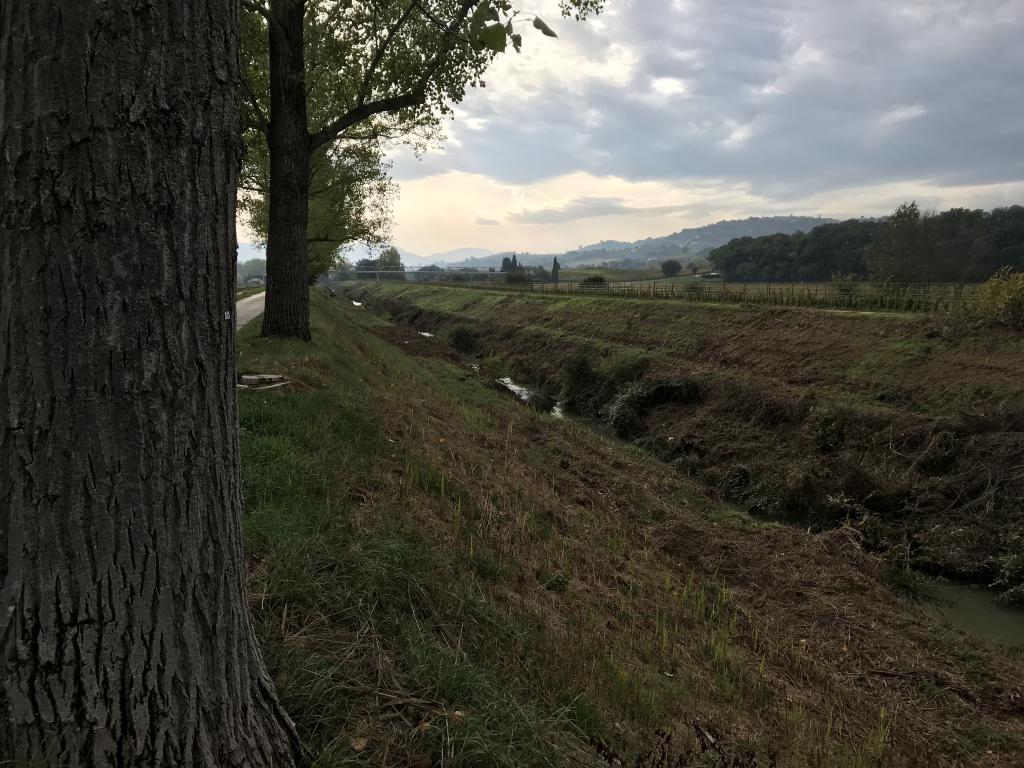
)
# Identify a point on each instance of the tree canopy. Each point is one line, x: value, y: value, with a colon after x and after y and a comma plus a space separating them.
x: 958, y: 245
x: 319, y: 73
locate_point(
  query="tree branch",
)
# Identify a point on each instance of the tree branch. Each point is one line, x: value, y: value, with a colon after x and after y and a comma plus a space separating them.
x: 415, y: 97
x: 262, y: 10
x: 364, y: 91
x: 261, y: 122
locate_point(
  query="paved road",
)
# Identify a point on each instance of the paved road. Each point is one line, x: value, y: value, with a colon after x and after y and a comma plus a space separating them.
x: 249, y: 309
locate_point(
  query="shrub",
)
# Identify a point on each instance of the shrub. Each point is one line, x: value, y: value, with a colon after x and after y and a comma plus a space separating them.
x: 827, y: 429
x: 1011, y: 576
x: 623, y: 414
x: 671, y: 268
x: 463, y: 339
x: 626, y: 411
x: 594, y: 280
x: 584, y: 389
x: 1000, y: 301
x: 518, y: 276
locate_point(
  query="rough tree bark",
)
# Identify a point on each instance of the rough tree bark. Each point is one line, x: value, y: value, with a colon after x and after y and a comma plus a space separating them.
x: 125, y: 631
x: 286, y: 312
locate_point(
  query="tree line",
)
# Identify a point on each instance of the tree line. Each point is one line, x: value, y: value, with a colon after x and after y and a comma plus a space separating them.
x: 956, y: 246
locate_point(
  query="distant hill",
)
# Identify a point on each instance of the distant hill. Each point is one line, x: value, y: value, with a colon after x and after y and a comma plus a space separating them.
x: 461, y: 254
x: 250, y: 251
x: 688, y: 244
x: 693, y: 243
x: 357, y: 251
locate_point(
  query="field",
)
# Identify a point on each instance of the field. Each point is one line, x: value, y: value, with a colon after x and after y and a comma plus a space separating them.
x: 442, y: 576
x: 909, y: 297
x: 611, y: 275
x: 247, y: 292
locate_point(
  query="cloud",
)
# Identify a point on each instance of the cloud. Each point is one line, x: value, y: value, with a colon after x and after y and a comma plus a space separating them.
x: 485, y: 222
x: 788, y: 100
x: 589, y: 208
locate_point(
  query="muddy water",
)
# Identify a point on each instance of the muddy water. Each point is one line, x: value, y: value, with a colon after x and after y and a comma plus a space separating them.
x: 973, y: 610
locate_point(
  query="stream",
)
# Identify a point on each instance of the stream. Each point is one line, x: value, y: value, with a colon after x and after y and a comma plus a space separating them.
x: 531, y: 398
x: 974, y: 610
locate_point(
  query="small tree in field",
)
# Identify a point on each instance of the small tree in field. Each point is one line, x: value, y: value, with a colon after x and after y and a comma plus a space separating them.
x: 671, y: 268
x: 692, y: 268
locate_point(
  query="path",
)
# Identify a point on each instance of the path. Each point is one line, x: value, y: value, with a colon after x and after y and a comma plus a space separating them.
x: 248, y: 309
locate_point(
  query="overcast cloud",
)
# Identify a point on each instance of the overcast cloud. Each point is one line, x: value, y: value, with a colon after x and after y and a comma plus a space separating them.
x: 662, y: 114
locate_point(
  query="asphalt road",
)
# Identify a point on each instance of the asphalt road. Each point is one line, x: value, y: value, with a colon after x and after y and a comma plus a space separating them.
x: 249, y: 309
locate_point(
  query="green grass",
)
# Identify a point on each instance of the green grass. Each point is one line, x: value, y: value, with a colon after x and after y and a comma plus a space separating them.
x: 440, y: 574
x: 344, y: 602
x: 247, y: 292
x: 570, y: 275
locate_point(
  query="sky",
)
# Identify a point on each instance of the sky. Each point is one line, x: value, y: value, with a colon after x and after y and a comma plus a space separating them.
x: 665, y: 114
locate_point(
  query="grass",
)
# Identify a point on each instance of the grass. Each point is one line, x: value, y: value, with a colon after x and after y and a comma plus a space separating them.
x: 441, y: 576
x: 954, y: 300
x: 571, y: 275
x: 247, y: 292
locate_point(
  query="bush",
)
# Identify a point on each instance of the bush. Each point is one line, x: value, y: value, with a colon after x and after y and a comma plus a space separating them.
x: 671, y: 268
x: 594, y: 280
x: 463, y: 339
x: 1000, y: 301
x: 827, y: 429
x: 625, y: 413
x: 1011, y: 576
x: 584, y: 389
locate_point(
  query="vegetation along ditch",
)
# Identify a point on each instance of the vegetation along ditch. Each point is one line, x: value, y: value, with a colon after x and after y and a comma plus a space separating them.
x: 907, y: 430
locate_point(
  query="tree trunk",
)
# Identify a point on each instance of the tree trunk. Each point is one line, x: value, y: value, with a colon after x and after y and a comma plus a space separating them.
x: 125, y: 630
x: 287, y: 306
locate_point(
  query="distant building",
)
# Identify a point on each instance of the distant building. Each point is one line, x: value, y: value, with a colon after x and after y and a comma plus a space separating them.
x: 254, y: 281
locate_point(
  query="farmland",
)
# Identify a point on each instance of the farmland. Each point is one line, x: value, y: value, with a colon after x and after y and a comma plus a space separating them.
x: 853, y: 295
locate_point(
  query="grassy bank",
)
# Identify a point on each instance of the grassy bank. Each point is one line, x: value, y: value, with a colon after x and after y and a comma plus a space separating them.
x: 443, y: 577
x: 245, y: 293
x: 910, y: 428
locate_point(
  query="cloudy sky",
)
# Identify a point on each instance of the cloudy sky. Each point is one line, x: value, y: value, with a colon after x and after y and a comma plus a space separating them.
x: 663, y: 114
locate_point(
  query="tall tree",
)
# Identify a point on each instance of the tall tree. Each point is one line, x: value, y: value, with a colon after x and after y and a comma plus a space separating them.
x: 378, y: 67
x: 899, y: 251
x: 124, y: 621
x: 349, y: 200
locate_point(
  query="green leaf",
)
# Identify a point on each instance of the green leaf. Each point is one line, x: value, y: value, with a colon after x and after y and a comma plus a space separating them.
x: 538, y: 23
x: 494, y: 38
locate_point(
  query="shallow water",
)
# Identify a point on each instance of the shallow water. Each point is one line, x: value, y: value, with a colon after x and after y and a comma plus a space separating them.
x: 518, y: 390
x: 973, y: 609
x: 528, y: 396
